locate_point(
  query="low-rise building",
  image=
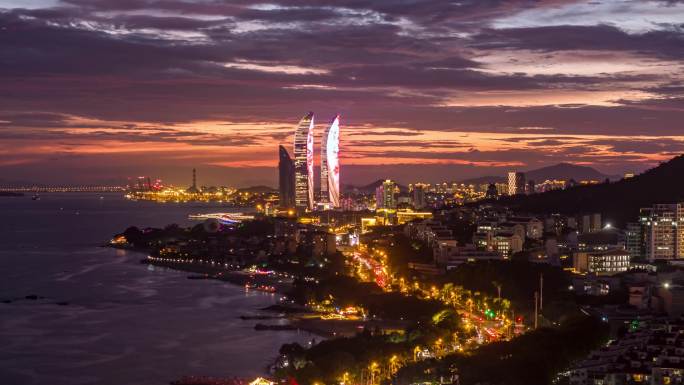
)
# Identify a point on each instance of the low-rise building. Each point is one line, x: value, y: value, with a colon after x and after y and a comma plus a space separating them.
x: 601, y: 262
x: 651, y: 353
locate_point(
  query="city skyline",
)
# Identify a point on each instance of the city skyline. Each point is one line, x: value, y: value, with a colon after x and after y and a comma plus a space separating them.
x: 438, y: 90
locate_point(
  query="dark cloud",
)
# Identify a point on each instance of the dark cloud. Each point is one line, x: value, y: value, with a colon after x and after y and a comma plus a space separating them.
x: 666, y: 44
x: 414, y: 66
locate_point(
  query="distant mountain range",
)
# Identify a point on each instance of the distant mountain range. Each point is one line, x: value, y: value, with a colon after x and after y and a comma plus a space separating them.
x: 619, y: 202
x: 564, y: 171
x: 258, y: 189
x: 369, y: 188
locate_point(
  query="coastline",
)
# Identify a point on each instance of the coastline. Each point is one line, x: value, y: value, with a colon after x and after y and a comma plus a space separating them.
x: 298, y: 317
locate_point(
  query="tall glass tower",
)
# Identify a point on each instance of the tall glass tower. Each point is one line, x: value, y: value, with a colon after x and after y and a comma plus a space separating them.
x: 330, y: 164
x: 286, y: 180
x: 304, y: 163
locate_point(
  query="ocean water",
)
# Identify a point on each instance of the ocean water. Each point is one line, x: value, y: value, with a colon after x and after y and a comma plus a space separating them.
x: 124, y: 323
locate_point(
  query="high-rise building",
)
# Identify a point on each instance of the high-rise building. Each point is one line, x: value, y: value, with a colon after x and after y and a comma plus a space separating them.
x: 286, y: 181
x: 663, y: 231
x: 516, y: 183
x: 304, y: 163
x: 589, y: 223
x: 492, y: 192
x: 384, y: 195
x: 634, y: 240
x: 419, y: 196
x: 330, y: 164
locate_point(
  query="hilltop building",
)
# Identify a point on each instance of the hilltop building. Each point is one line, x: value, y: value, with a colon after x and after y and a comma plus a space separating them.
x: 662, y: 227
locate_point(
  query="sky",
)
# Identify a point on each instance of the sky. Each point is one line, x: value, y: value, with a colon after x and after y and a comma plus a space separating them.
x: 95, y: 91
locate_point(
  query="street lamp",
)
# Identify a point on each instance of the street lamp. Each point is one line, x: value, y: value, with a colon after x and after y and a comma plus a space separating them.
x: 373, y: 367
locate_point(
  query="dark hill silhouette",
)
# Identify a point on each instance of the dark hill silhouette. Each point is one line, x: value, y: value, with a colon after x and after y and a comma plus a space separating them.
x: 486, y: 179
x: 258, y: 189
x: 564, y: 171
x: 618, y: 202
x: 370, y: 188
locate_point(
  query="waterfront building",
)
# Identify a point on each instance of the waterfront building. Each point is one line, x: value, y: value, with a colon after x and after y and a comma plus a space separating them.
x: 663, y: 231
x: 330, y: 164
x: 385, y: 195
x: 286, y: 181
x: 304, y: 163
x: 516, y: 183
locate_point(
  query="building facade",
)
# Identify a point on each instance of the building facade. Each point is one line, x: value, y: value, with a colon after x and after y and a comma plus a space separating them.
x: 663, y: 231
x: 286, y: 178
x: 385, y: 195
x: 330, y: 164
x: 304, y: 163
x: 516, y: 183
x: 602, y: 263
x: 419, y: 196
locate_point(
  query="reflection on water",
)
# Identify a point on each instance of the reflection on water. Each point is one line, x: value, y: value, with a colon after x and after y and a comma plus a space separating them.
x: 102, y: 318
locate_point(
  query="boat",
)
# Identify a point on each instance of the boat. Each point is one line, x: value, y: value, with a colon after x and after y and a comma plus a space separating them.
x: 35, y: 197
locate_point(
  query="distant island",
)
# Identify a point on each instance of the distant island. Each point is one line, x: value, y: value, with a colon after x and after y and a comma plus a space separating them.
x: 11, y: 194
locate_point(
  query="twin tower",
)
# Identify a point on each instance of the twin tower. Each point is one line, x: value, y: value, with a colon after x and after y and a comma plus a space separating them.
x: 296, y: 182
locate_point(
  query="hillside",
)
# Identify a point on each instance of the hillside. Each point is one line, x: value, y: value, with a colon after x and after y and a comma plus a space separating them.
x: 619, y: 202
x: 258, y: 189
x: 565, y: 171
x: 369, y: 188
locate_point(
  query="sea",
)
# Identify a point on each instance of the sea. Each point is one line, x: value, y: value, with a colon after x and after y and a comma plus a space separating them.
x: 76, y: 313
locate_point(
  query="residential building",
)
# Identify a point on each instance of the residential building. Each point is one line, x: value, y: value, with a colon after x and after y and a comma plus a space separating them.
x: 516, y: 183
x: 385, y: 195
x: 663, y: 231
x: 601, y: 262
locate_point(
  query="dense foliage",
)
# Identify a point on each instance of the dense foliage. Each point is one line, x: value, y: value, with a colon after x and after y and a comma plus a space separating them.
x: 345, y: 291
x: 531, y: 359
x: 619, y: 202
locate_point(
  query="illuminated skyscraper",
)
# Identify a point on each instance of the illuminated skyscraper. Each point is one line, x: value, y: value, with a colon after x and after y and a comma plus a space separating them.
x: 516, y: 183
x: 419, y: 196
x: 304, y: 163
x: 385, y: 195
x: 330, y: 164
x: 663, y: 231
x: 286, y: 181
